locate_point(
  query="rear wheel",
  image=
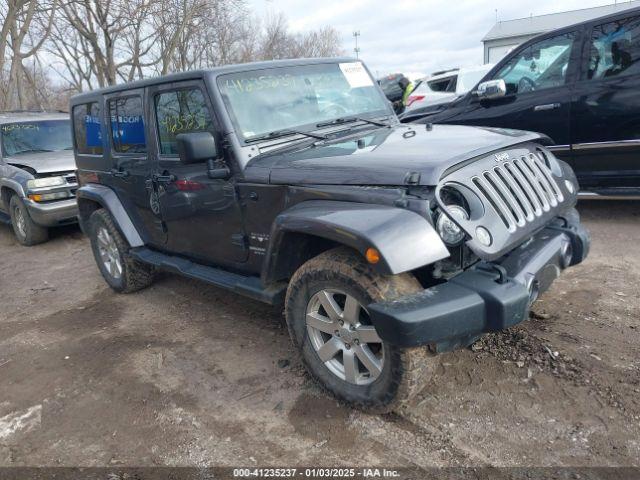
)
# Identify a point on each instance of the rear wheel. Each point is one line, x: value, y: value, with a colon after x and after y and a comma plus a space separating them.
x: 328, y: 321
x: 111, y: 251
x: 27, y: 232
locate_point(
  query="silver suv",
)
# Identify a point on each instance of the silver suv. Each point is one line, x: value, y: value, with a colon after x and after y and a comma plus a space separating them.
x: 37, y: 174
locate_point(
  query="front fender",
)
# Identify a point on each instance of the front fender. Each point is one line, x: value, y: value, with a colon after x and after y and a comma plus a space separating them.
x: 14, y: 185
x: 405, y: 240
x: 108, y: 199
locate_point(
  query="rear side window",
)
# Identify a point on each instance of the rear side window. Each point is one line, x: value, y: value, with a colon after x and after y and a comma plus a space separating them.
x: 444, y: 84
x: 615, y: 49
x: 87, y: 128
x: 127, y: 126
x: 180, y: 111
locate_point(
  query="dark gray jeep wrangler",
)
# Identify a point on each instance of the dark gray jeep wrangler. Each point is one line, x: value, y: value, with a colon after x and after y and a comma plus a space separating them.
x: 37, y: 174
x: 293, y: 183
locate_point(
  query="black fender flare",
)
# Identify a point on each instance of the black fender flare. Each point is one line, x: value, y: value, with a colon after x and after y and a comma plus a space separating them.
x: 108, y: 199
x: 405, y: 239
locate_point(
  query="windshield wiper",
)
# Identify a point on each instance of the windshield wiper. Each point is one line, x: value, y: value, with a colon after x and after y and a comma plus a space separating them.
x: 340, y: 121
x: 283, y: 133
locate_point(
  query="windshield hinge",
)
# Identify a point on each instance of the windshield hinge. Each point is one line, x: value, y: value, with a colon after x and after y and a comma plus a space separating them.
x: 412, y: 178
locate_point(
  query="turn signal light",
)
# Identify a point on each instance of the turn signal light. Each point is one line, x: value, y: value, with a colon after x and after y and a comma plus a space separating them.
x: 372, y: 255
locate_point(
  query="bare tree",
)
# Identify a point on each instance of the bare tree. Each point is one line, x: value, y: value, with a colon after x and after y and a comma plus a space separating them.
x: 26, y: 26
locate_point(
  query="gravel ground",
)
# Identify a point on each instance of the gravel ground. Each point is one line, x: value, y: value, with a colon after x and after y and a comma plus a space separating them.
x: 186, y: 374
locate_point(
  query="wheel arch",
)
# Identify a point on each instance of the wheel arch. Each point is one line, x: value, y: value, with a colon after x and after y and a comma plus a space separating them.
x: 404, y: 239
x: 91, y: 197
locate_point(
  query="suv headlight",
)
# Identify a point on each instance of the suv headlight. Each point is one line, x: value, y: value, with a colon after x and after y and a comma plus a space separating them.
x: 46, y: 182
x: 451, y: 233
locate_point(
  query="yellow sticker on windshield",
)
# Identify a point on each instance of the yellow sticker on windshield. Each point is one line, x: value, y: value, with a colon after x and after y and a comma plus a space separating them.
x: 356, y: 74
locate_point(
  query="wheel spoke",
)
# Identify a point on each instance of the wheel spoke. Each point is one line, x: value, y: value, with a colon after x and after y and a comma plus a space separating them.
x: 109, y: 266
x: 102, y: 238
x: 368, y: 334
x: 368, y: 359
x: 117, y: 266
x: 320, y: 322
x: 351, y: 372
x: 351, y: 310
x: 330, y: 305
x: 329, y: 349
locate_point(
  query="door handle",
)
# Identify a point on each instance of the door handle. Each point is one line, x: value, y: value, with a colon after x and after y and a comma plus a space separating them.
x: 163, y: 178
x: 119, y: 173
x: 547, y: 106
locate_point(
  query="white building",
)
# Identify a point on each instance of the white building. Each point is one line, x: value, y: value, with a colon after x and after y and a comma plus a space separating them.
x: 504, y: 36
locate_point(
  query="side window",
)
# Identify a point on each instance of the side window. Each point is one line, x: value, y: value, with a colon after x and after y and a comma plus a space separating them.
x: 539, y: 66
x: 87, y: 128
x: 615, y: 49
x: 127, y: 126
x: 180, y: 111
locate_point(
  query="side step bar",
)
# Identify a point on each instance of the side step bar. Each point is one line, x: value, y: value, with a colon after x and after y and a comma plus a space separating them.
x: 244, y: 285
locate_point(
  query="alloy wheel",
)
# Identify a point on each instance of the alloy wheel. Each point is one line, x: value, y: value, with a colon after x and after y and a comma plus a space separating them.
x: 109, y: 253
x: 342, y: 335
x: 21, y: 222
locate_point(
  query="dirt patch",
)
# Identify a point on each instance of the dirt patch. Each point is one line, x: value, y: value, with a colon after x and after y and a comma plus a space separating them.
x: 529, y: 351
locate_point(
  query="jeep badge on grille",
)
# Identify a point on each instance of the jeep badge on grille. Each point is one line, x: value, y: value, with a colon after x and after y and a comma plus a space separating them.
x: 502, y: 157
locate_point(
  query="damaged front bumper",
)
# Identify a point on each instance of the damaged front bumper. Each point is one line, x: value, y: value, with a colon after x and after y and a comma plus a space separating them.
x: 487, y: 297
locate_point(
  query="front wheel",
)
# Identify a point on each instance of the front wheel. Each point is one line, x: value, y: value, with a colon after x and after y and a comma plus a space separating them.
x: 27, y: 232
x: 328, y: 321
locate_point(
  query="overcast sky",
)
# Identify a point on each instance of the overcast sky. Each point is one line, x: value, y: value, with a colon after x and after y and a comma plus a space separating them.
x: 413, y: 36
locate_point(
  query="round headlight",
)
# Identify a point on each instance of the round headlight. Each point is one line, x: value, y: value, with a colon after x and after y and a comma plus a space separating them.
x: 451, y: 233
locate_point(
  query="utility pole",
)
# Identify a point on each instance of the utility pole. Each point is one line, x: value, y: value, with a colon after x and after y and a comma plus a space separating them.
x: 356, y: 34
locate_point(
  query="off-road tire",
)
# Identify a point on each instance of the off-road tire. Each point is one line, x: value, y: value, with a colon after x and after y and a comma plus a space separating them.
x: 405, y: 371
x: 33, y: 233
x: 135, y: 274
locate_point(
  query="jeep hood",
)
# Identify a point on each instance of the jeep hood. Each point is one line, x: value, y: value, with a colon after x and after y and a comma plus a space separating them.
x: 45, y: 162
x: 383, y: 156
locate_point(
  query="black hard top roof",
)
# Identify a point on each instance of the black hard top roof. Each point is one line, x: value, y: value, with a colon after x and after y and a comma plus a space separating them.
x: 212, y: 72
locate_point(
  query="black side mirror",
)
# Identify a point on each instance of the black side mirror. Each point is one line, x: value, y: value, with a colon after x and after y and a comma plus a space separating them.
x: 196, y: 147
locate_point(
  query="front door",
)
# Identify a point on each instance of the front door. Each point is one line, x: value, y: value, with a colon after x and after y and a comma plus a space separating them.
x: 605, y: 119
x: 538, y: 79
x: 202, y: 215
x: 132, y: 166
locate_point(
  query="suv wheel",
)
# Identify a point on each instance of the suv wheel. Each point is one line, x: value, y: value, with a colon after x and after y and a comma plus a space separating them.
x: 328, y: 321
x: 111, y: 251
x: 25, y: 229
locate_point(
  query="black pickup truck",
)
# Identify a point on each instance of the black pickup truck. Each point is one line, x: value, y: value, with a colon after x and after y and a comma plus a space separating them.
x: 293, y: 183
x: 580, y: 86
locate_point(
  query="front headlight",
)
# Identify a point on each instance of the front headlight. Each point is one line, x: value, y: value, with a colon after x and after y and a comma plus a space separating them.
x: 46, y: 182
x: 451, y: 233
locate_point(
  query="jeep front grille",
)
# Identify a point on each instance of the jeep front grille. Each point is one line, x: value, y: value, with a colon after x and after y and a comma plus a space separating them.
x: 519, y: 190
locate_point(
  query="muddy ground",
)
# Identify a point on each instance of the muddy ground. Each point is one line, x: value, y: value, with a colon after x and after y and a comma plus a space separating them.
x: 186, y: 374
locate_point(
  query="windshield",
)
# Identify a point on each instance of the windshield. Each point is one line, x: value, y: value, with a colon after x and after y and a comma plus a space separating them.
x: 299, y: 97
x: 41, y: 136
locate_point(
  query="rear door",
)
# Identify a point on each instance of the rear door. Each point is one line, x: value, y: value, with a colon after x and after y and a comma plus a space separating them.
x: 539, y: 80
x: 202, y: 215
x: 132, y: 166
x: 606, y: 106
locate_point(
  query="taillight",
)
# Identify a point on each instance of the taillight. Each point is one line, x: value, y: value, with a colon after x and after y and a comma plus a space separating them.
x: 414, y: 98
